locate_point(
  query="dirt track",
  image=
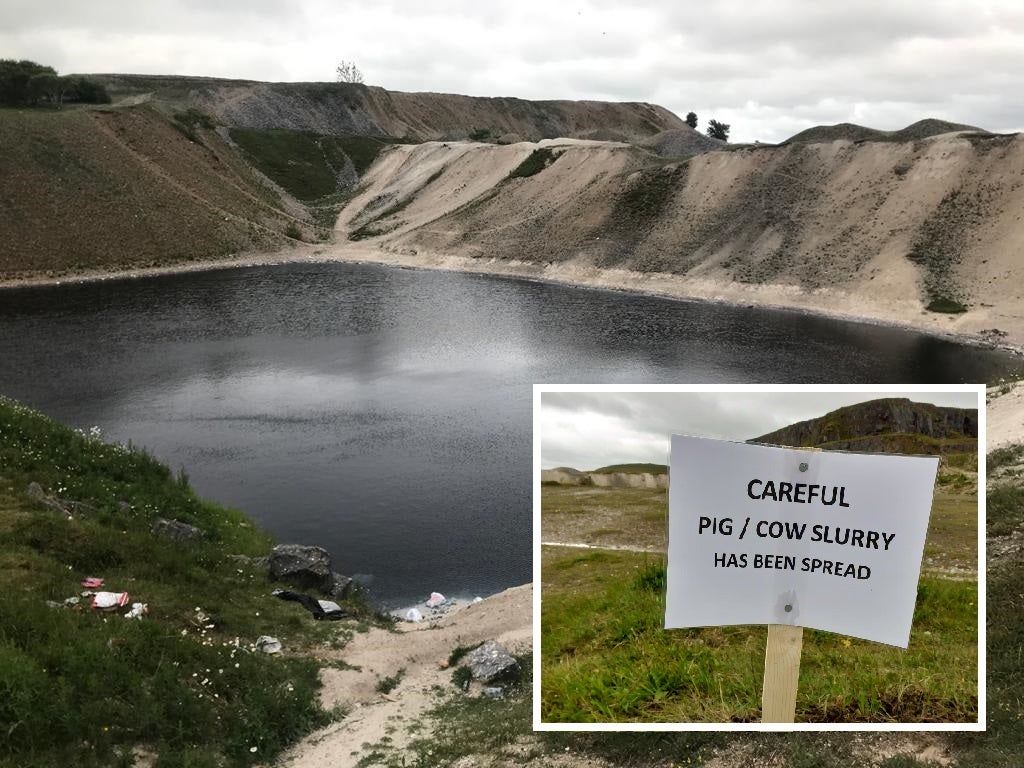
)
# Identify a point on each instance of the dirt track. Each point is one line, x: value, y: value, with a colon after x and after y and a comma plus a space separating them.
x: 419, y: 649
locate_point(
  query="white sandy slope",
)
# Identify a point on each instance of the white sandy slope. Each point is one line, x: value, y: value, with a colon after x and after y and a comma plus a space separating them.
x: 824, y: 228
x: 1005, y: 416
x: 421, y: 650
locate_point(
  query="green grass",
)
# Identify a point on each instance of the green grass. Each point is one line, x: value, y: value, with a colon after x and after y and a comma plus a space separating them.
x: 1007, y: 456
x: 361, y: 150
x: 188, y: 120
x: 1005, y: 509
x: 292, y: 159
x: 459, y: 652
x: 307, y: 164
x: 464, y: 726
x: 389, y: 683
x: 607, y: 658
x: 1003, y: 741
x: 636, y: 468
x: 946, y: 305
x: 646, y: 197
x: 79, y: 687
x: 536, y: 162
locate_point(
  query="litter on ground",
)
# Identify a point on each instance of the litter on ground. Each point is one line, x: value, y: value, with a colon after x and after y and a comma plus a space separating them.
x: 321, y: 609
x: 138, y: 611
x: 107, y: 600
x: 268, y: 644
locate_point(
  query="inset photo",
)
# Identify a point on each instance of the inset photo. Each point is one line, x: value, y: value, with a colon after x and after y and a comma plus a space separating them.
x: 759, y: 557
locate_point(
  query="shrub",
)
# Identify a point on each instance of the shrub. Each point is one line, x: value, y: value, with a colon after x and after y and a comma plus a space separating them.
x: 946, y: 305
x: 538, y: 160
x: 389, y: 683
x: 462, y: 677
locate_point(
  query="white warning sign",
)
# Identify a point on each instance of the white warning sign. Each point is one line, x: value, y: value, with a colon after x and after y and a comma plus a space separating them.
x: 766, y: 535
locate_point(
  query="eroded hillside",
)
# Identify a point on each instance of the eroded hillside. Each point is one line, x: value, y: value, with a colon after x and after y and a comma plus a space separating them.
x: 365, y: 110
x: 876, y: 228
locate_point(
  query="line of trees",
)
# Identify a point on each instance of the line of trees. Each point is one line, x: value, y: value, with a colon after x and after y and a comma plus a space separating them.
x: 27, y: 84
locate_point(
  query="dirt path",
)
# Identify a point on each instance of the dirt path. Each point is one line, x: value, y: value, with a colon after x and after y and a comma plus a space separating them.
x: 420, y: 650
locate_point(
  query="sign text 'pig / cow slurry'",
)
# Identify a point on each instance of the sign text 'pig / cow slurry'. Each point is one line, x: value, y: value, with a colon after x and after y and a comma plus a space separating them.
x: 766, y: 535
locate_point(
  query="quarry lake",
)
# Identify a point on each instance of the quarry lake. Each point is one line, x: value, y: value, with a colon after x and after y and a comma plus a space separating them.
x: 385, y: 413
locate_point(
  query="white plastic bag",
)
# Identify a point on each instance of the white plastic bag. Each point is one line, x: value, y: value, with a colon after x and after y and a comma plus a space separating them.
x: 104, y: 600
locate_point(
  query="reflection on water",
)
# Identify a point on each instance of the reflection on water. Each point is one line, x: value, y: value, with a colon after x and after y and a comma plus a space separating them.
x: 385, y: 413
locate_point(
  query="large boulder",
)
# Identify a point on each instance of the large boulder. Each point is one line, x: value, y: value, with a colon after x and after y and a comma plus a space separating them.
x: 492, y: 661
x: 302, y: 566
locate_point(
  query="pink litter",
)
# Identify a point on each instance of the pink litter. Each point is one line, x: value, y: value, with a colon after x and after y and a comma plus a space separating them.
x: 436, y: 599
x: 92, y: 582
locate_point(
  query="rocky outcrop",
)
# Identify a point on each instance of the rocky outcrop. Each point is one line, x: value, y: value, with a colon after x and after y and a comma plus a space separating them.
x: 893, y: 425
x: 492, y: 661
x: 176, y: 531
x: 570, y: 476
x: 307, y: 567
x: 629, y: 479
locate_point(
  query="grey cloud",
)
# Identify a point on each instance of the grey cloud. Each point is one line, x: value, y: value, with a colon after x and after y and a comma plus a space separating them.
x: 769, y: 68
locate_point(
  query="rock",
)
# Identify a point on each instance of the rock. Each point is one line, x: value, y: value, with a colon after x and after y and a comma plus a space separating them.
x: 175, y: 530
x: 302, y: 566
x: 38, y: 495
x: 124, y: 507
x: 847, y: 428
x: 492, y: 661
x: 340, y: 585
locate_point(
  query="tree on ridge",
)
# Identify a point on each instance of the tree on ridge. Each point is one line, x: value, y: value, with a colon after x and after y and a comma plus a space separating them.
x: 348, y: 72
x: 717, y: 130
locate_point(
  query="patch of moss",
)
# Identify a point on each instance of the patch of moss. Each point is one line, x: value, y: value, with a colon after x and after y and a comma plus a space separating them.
x: 945, y: 305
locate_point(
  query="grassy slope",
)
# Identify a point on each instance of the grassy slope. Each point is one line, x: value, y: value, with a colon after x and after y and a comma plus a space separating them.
x: 608, y: 659
x: 101, y: 188
x: 602, y: 616
x: 305, y: 164
x: 79, y: 687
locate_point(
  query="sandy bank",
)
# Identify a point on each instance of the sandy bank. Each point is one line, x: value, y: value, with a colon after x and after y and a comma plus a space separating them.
x: 967, y: 328
x: 421, y: 650
x: 828, y: 302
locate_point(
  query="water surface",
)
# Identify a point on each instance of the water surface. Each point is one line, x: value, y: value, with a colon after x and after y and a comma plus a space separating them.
x: 385, y: 413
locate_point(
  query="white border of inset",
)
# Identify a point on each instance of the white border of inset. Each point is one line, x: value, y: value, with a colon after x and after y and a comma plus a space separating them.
x: 910, y: 389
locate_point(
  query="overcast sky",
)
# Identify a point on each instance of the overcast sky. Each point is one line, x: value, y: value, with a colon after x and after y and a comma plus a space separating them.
x: 769, y: 68
x: 587, y: 430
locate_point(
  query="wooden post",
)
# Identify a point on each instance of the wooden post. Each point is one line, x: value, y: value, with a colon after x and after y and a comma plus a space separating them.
x: 781, y: 673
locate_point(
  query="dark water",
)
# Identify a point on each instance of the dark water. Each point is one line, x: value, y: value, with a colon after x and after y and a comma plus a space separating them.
x: 386, y: 413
